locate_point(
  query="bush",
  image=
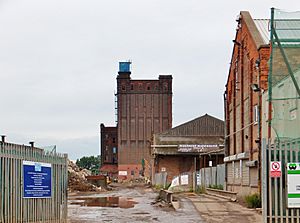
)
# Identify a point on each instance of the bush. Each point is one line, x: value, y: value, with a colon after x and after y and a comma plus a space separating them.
x: 200, y: 189
x: 253, y: 201
x: 158, y: 186
x: 167, y: 186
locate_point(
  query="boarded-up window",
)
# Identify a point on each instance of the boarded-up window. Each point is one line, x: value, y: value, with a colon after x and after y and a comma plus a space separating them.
x: 253, y: 176
x: 245, y: 174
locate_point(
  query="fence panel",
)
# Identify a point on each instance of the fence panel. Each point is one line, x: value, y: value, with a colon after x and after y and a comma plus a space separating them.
x: 211, y: 176
x: 160, y: 179
x: 221, y: 174
x: 14, y: 207
x: 206, y: 177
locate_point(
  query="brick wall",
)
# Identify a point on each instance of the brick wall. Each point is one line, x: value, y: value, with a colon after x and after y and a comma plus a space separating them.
x: 241, y: 100
x: 109, y: 145
x: 144, y: 108
x: 174, y: 165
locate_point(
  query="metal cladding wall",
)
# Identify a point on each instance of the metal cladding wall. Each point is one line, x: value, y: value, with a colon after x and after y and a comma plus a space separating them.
x: 144, y: 108
x: 14, y: 207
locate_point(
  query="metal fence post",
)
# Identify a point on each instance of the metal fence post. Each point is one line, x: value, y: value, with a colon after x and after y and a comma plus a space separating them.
x: 264, y: 179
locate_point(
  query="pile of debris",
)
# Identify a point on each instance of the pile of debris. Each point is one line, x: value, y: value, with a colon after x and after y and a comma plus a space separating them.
x: 161, y: 203
x: 77, y: 179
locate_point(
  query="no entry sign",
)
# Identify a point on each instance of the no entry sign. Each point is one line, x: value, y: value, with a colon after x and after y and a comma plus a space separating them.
x: 275, y: 169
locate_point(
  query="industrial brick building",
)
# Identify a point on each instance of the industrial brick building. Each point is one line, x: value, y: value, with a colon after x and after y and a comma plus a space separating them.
x: 144, y: 107
x: 247, y: 79
x: 109, y: 150
x: 188, y: 147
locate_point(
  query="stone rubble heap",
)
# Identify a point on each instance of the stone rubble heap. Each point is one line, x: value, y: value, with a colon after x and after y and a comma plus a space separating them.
x: 77, y: 179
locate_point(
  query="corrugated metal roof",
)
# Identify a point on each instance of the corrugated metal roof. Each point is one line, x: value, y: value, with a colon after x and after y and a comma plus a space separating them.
x: 205, y: 125
x: 263, y: 28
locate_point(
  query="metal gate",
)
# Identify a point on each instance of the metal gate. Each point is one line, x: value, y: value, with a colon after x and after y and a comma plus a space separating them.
x: 13, y: 206
x: 274, y: 189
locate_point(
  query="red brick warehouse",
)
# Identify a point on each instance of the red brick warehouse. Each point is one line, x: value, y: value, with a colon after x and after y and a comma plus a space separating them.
x: 144, y: 108
x: 109, y: 150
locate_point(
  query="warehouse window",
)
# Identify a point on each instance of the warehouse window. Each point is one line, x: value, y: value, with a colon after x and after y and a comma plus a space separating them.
x: 255, y: 114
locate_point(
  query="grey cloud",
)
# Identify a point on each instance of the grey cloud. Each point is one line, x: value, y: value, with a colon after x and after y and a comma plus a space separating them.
x: 59, y: 60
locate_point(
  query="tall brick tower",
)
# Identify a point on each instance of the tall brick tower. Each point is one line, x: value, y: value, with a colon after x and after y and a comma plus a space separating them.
x: 144, y: 108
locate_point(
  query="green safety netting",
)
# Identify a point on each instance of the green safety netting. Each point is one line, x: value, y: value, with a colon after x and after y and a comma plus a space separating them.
x: 284, y: 74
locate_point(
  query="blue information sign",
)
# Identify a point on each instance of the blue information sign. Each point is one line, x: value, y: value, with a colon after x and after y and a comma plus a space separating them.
x: 37, y: 179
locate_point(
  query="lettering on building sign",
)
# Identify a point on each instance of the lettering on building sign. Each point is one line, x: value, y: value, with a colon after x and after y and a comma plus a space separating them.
x: 123, y: 173
x: 196, y: 148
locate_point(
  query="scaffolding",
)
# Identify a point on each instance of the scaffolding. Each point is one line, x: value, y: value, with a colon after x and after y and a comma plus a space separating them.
x: 284, y: 75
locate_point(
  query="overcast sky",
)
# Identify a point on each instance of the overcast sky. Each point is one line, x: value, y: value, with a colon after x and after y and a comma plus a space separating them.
x: 59, y: 61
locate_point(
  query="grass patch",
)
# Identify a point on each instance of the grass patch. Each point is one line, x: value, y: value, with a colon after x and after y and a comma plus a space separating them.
x: 200, y: 190
x: 253, y: 201
x: 160, y: 186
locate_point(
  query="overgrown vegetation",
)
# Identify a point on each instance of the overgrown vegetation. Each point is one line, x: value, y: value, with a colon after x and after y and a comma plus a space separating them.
x: 200, y: 189
x: 91, y: 163
x: 216, y: 186
x: 253, y: 201
x: 160, y: 186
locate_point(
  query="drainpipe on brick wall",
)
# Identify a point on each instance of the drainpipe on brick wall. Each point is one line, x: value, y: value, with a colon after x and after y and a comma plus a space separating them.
x: 258, y: 141
x: 259, y: 129
x: 195, y: 174
x: 226, y: 138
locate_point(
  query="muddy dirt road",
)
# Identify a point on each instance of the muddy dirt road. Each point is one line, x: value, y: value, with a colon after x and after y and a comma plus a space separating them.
x: 126, y: 205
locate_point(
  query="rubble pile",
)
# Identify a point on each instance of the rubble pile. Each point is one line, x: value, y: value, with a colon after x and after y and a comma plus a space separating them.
x: 77, y: 179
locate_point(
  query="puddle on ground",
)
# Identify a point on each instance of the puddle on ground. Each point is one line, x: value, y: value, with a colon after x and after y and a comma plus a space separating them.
x: 112, y: 202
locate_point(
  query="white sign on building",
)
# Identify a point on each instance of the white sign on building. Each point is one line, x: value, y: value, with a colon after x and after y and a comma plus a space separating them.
x: 122, y: 173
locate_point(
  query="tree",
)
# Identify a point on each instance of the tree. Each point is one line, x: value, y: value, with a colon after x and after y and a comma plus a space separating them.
x: 91, y: 163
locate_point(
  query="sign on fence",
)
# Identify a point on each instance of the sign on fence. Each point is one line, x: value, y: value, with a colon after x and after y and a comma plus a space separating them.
x: 37, y: 179
x: 198, y: 178
x: 275, y: 169
x: 293, y: 185
x: 175, y: 182
x: 184, y: 179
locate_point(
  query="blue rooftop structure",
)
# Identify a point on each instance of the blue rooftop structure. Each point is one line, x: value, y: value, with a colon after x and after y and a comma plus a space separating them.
x: 124, y: 67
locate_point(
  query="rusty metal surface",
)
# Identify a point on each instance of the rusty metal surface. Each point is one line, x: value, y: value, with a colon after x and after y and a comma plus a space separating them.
x: 205, y: 125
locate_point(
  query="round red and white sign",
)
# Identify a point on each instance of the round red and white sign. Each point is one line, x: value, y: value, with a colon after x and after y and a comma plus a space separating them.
x: 275, y: 169
x: 275, y: 166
